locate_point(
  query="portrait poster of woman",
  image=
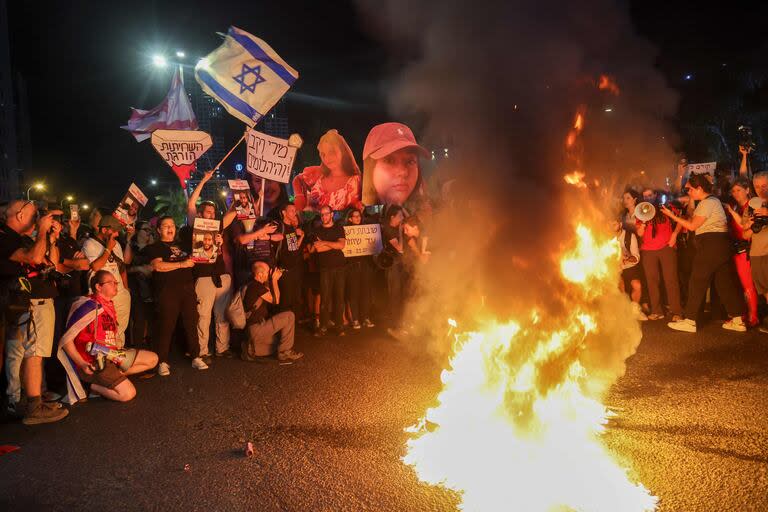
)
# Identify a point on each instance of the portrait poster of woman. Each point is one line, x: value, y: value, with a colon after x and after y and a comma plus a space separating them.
x: 334, y: 183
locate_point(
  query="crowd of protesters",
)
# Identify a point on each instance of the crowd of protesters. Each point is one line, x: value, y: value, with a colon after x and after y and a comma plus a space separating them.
x: 112, y: 297
x: 699, y: 249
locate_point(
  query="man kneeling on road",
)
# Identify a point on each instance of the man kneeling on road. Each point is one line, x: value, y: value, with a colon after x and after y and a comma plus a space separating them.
x: 89, y: 351
x: 262, y: 327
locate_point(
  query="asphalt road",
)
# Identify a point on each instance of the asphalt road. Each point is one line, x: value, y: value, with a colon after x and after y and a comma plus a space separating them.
x: 328, y: 432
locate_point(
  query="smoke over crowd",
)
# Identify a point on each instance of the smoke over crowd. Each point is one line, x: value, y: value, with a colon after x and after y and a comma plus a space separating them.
x: 501, y: 83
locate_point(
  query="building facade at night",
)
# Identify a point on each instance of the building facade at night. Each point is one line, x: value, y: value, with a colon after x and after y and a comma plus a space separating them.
x: 9, y: 140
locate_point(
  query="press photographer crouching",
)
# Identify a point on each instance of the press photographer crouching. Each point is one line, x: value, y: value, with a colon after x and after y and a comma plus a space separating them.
x: 262, y: 327
x: 89, y: 350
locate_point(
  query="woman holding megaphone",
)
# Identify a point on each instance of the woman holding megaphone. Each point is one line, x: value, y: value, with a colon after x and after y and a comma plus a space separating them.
x: 712, y: 259
x: 659, y: 258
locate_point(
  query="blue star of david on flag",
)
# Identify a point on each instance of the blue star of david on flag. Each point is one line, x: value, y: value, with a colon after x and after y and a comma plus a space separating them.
x: 244, y: 72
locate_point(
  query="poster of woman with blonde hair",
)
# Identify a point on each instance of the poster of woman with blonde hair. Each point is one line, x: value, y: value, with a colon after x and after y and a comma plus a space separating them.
x: 334, y: 183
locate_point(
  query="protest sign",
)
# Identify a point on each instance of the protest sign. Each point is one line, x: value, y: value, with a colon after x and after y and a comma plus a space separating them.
x: 362, y: 240
x: 242, y: 199
x: 74, y: 212
x: 204, y: 248
x: 708, y: 168
x: 181, y: 149
x: 269, y: 157
x: 128, y: 209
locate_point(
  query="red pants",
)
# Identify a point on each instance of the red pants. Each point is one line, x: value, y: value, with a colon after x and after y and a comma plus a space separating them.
x: 744, y: 269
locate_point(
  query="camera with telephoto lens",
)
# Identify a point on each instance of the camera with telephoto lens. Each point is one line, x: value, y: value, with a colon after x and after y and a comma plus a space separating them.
x: 758, y: 223
x: 745, y: 138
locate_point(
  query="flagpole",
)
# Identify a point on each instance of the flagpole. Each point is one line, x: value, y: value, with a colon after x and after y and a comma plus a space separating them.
x: 261, y: 198
x: 229, y: 153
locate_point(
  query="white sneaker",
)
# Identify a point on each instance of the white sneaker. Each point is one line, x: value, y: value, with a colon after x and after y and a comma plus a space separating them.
x: 686, y: 325
x: 199, y: 364
x: 735, y: 324
x: 163, y: 369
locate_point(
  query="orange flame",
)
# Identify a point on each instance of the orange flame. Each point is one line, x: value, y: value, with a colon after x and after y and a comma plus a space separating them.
x: 576, y: 178
x: 518, y: 421
x: 607, y: 83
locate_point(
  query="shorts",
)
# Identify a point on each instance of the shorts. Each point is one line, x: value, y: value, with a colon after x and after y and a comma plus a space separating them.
x: 34, y: 330
x: 111, y: 375
x: 632, y: 273
x: 760, y: 273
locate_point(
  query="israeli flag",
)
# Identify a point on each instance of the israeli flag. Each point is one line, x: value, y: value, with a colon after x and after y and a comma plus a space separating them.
x: 245, y: 75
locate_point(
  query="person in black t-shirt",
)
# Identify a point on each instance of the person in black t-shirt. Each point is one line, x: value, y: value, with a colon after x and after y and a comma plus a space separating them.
x: 252, y: 244
x: 290, y: 259
x: 260, y: 325
x: 328, y: 243
x: 173, y: 285
x: 395, y: 275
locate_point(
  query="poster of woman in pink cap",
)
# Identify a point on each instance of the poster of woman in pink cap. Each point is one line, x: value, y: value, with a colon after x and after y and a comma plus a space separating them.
x: 335, y: 182
x: 391, y: 171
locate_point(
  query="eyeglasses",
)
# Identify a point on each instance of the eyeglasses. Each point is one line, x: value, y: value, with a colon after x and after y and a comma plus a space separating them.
x: 109, y: 282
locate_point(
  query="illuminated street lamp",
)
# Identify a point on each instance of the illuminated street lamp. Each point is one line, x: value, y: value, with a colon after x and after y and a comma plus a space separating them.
x: 85, y: 206
x: 159, y: 61
x: 180, y: 54
x: 68, y: 199
x: 36, y: 186
x: 153, y: 182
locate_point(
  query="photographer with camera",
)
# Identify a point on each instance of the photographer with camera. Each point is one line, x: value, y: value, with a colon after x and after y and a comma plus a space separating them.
x: 92, y: 354
x: 264, y: 289
x: 29, y: 272
x: 753, y: 222
x: 712, y: 259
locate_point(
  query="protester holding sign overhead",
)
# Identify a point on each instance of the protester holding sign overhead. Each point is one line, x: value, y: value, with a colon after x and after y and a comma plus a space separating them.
x: 213, y: 283
x: 335, y: 182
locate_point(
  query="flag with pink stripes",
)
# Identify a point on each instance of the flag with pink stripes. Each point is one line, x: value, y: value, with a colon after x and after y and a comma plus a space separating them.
x: 174, y: 113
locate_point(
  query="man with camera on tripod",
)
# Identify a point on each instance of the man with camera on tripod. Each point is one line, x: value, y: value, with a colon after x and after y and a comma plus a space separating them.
x: 758, y: 249
x: 28, y: 270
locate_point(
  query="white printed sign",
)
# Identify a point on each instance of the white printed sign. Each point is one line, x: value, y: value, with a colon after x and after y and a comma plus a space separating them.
x: 708, y: 168
x: 269, y: 157
x: 362, y: 240
x: 128, y: 209
x: 204, y: 248
x: 181, y: 147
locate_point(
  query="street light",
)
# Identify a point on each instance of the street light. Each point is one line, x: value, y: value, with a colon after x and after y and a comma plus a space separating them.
x: 68, y: 199
x: 180, y: 54
x: 153, y: 182
x: 85, y: 206
x: 36, y: 186
x: 159, y: 61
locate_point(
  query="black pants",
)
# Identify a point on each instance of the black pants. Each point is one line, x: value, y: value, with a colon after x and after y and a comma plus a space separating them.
x: 290, y: 290
x: 358, y: 287
x: 331, y: 296
x: 714, y: 258
x: 170, y: 303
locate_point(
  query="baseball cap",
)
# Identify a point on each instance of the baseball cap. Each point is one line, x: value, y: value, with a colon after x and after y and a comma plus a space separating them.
x: 108, y: 221
x: 386, y: 138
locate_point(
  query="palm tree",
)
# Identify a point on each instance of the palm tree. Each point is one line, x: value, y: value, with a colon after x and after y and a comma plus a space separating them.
x: 174, y: 203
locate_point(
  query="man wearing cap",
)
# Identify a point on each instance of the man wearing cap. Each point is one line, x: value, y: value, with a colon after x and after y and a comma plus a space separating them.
x: 391, y: 165
x: 104, y: 252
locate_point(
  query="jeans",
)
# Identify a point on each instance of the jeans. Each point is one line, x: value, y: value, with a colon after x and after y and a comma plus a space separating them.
x: 213, y: 300
x: 331, y: 296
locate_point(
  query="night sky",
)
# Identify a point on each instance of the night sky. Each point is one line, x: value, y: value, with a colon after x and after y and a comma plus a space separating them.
x: 86, y: 62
